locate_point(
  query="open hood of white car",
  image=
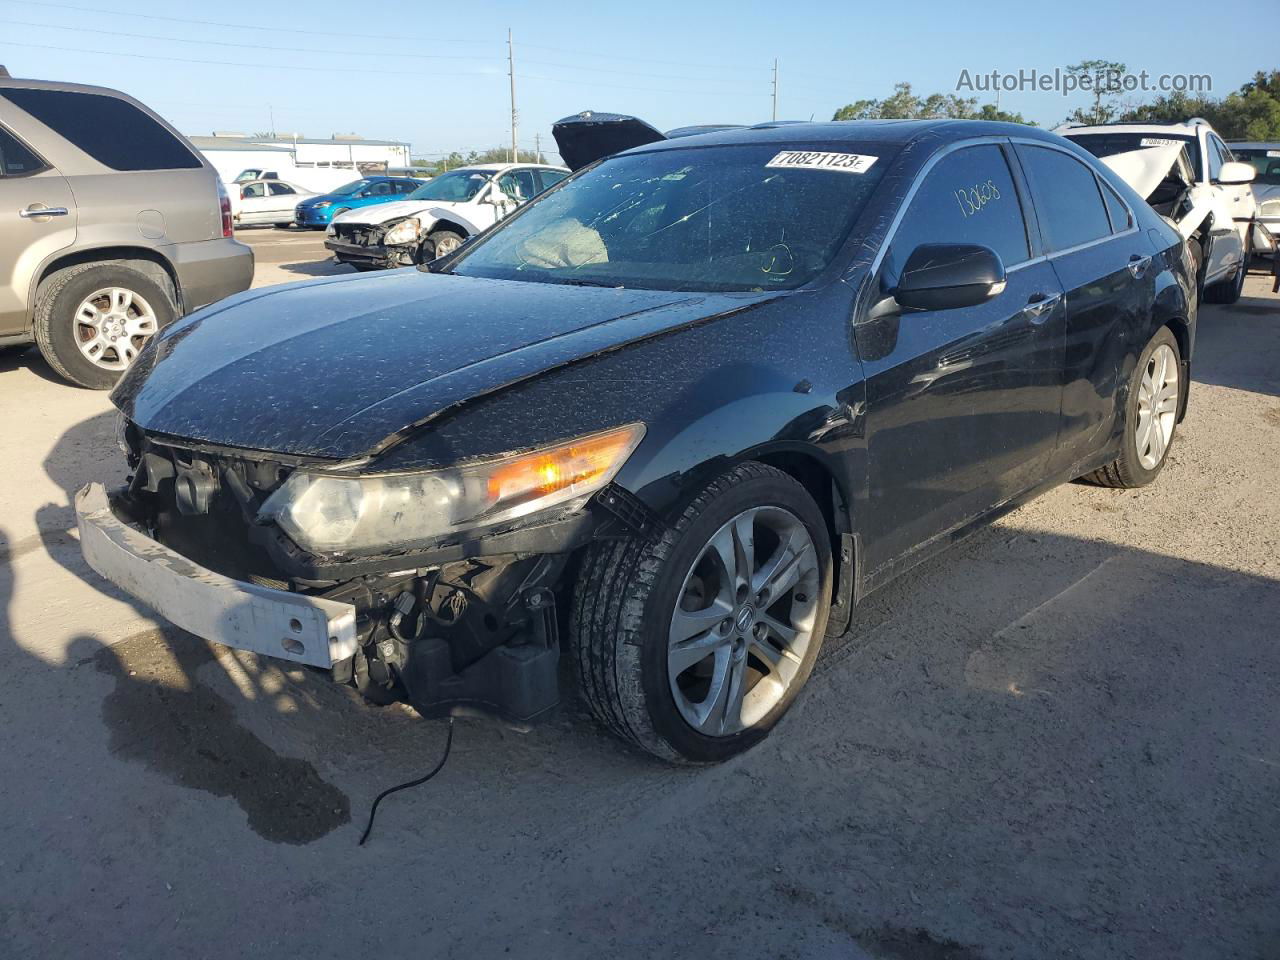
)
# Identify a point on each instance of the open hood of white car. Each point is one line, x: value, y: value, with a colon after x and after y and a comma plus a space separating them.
x: 1144, y: 169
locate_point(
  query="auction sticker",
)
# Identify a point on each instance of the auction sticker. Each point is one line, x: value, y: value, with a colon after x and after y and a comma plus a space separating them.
x: 810, y: 160
x: 1160, y: 142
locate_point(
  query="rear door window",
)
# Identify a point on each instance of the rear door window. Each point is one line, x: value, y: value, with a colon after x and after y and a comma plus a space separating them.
x: 281, y: 189
x: 550, y: 178
x: 968, y: 197
x: 1067, y: 197
x: 112, y: 131
x: 15, y: 159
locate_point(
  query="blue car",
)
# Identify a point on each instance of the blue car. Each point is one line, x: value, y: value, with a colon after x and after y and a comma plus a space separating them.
x: 317, y: 211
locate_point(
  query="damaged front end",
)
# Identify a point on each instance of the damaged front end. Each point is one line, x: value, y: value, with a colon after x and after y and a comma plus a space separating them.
x: 437, y: 587
x: 379, y: 245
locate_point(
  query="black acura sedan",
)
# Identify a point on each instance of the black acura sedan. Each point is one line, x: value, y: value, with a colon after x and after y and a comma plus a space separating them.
x: 680, y: 414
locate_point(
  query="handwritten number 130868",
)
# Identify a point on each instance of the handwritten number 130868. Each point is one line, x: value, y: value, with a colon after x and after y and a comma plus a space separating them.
x: 974, y: 198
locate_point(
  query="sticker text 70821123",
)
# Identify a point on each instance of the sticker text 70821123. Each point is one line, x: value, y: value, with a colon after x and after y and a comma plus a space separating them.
x: 814, y: 160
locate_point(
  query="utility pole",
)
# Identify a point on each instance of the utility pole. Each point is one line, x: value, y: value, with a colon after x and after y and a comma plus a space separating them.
x: 272, y: 112
x: 537, y: 148
x: 511, y: 72
x: 775, y: 88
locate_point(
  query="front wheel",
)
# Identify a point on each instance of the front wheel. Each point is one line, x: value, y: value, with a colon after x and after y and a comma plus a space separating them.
x: 694, y: 644
x: 1227, y: 292
x: 441, y: 243
x: 1151, y: 416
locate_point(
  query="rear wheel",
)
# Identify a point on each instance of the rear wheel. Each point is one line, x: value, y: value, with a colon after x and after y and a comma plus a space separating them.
x: 1151, y: 416
x: 693, y: 645
x: 91, y: 321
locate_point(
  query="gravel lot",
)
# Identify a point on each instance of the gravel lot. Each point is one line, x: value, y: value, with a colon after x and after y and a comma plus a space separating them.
x: 1061, y: 739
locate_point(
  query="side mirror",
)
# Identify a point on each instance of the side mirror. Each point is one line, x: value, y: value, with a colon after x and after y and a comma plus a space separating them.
x: 946, y: 276
x: 1233, y: 171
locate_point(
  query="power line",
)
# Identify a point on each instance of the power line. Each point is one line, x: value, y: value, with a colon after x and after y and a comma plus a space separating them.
x: 246, y: 46
x: 232, y: 63
x: 243, y: 25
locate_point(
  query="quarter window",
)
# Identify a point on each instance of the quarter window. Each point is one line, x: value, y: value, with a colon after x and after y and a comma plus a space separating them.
x: 15, y: 159
x: 1121, y: 219
x: 1067, y: 197
x: 968, y: 197
x: 112, y: 131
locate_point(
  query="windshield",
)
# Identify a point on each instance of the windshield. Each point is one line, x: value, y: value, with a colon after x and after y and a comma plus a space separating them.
x: 1109, y: 144
x: 455, y: 187
x: 349, y: 188
x: 1265, y: 161
x: 728, y: 218
x: 247, y: 175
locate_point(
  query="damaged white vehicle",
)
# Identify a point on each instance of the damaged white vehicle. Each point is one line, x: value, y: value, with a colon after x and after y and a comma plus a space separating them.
x: 1187, y: 174
x: 436, y: 218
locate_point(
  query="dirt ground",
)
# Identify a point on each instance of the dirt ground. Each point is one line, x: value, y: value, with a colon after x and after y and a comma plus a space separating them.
x: 1060, y: 739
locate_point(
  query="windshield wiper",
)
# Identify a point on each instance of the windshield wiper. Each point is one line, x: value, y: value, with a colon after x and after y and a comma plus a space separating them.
x: 579, y: 282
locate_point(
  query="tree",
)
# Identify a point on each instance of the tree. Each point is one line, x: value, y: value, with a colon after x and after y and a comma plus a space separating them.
x: 903, y: 104
x: 1104, y: 79
x: 1252, y: 114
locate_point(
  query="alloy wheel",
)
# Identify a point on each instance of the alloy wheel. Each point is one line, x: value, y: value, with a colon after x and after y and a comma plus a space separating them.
x: 1157, y: 406
x: 743, y: 621
x: 111, y: 326
x: 447, y: 245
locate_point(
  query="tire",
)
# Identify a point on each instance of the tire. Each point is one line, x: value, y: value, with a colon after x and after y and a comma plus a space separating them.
x: 1135, y: 467
x: 448, y: 238
x: 1228, y: 291
x: 58, y: 334
x: 624, y: 612
x: 283, y: 226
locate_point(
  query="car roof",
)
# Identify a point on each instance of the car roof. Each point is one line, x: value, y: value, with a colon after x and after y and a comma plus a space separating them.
x: 890, y: 132
x: 1174, y: 129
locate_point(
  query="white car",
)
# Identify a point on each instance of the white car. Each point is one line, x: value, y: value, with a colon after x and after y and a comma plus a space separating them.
x: 437, y: 217
x: 1188, y: 174
x: 266, y: 201
x: 1265, y: 158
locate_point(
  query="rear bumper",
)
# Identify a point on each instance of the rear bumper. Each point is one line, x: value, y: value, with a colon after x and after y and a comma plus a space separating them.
x: 275, y: 623
x: 210, y: 270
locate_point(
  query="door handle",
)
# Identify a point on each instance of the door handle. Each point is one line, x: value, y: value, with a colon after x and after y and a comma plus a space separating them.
x: 33, y: 211
x: 1040, y: 306
x: 1138, y: 266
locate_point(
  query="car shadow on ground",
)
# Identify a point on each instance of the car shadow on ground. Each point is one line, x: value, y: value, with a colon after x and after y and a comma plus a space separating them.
x: 318, y: 268
x: 29, y: 358
x: 1237, y: 346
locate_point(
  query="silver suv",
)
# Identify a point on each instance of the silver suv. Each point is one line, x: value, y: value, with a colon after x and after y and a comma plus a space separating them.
x: 111, y: 226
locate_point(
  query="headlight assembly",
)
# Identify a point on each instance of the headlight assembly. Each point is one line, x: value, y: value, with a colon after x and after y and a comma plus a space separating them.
x: 322, y: 204
x: 406, y: 231
x: 343, y: 513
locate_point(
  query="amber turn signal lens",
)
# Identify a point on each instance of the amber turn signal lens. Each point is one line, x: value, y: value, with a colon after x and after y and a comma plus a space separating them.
x: 575, y: 464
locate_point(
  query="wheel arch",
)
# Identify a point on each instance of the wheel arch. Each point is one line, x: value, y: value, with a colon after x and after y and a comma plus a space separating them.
x: 446, y: 224
x: 148, y: 261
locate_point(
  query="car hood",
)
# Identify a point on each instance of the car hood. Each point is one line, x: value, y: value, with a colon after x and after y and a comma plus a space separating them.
x: 1144, y: 169
x: 335, y: 367
x: 395, y: 210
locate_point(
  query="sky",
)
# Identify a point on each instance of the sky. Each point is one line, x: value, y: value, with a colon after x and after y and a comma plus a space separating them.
x: 435, y: 75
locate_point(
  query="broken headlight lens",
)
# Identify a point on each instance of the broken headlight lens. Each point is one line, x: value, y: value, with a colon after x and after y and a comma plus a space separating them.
x: 406, y: 231
x: 335, y: 513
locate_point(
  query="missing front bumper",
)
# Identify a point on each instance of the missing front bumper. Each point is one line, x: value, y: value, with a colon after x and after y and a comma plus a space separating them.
x: 276, y: 623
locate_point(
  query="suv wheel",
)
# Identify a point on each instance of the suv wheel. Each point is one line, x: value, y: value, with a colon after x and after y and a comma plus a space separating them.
x: 1228, y: 291
x: 694, y: 644
x: 1151, y: 416
x: 91, y: 321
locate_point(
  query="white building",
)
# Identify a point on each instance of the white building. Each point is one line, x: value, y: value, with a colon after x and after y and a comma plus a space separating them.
x: 230, y: 153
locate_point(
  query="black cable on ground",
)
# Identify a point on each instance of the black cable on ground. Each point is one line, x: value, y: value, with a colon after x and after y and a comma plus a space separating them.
x: 448, y: 743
